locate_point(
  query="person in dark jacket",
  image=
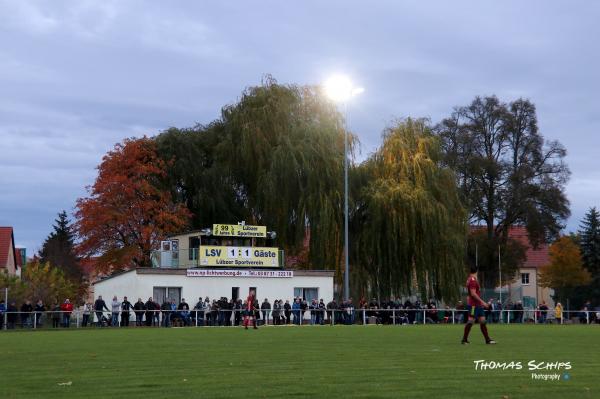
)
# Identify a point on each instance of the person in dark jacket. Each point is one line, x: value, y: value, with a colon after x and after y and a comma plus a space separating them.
x: 56, y: 315
x: 166, y: 312
x: 26, y: 310
x: 99, y: 307
x: 184, y: 311
x: 287, y: 311
x: 138, y: 309
x: 238, y: 312
x: 11, y: 316
x: 151, y: 309
x: 265, y: 307
x: 125, y: 307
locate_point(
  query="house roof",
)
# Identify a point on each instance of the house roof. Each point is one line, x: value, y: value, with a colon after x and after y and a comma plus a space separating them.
x: 534, y: 257
x: 7, y: 240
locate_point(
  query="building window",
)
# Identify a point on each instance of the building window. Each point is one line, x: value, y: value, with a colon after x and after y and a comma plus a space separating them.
x: 525, y: 278
x: 171, y: 293
x: 308, y: 294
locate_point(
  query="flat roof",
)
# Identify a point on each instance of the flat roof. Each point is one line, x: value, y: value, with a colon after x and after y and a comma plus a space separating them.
x: 183, y: 272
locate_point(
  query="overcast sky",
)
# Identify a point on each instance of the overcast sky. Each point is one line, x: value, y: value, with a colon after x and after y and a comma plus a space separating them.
x: 77, y: 77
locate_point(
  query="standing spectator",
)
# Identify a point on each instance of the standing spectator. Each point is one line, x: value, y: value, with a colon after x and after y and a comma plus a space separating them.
x: 156, y: 314
x: 125, y: 307
x: 67, y: 309
x: 331, y: 308
x: 99, y: 307
x: 87, y: 311
x: 214, y: 312
x: 276, y: 311
x: 26, y: 310
x: 287, y: 311
x: 184, y: 311
x: 138, y: 309
x: 199, y: 312
x: 266, y: 310
x: 303, y: 308
x: 321, y: 307
x: 519, y: 312
x: 11, y: 315
x: 150, y: 311
x: 115, y: 309
x: 558, y: 310
x: 589, y: 315
x: 362, y: 305
x: 39, y: 311
x: 296, y: 309
x: 238, y: 309
x: 165, y: 310
x: 313, y: 310
x: 543, y: 312
x: 229, y: 311
x: 56, y: 315
x: 2, y: 311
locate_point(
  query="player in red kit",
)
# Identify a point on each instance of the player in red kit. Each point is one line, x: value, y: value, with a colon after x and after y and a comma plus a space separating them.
x: 475, y: 306
x: 250, y: 311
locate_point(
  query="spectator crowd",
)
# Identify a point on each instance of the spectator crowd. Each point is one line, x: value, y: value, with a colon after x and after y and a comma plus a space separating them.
x: 229, y: 312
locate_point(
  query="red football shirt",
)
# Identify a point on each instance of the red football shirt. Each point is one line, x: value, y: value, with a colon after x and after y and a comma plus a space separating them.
x: 250, y: 301
x: 472, y: 283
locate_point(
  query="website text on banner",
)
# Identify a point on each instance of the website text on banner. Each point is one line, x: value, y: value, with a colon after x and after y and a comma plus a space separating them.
x: 240, y: 273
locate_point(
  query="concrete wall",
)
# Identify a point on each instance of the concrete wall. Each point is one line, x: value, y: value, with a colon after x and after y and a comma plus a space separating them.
x: 139, y: 284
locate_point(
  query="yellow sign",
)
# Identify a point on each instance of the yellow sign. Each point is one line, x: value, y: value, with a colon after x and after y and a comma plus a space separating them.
x: 236, y: 230
x: 211, y: 255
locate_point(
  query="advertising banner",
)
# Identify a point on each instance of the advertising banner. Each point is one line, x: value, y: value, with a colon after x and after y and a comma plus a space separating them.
x: 211, y: 255
x: 235, y: 230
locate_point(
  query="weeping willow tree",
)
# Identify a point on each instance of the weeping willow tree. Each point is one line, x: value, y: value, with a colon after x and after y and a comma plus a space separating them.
x: 284, y: 148
x: 409, y: 226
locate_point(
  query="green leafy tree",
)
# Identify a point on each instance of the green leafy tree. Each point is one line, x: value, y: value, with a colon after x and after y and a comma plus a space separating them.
x: 409, y: 226
x: 589, y: 242
x: 40, y: 281
x: 198, y: 178
x: 507, y: 173
x: 274, y: 158
x: 59, y: 248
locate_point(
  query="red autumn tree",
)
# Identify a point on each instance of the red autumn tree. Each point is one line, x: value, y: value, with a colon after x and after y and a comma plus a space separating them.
x: 127, y: 213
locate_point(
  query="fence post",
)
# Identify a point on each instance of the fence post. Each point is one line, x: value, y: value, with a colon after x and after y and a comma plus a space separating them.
x: 34, y: 321
x: 587, y: 317
x: 534, y: 316
x: 77, y: 320
x: 424, y: 317
x: 333, y: 317
x: 508, y: 317
x: 394, y: 316
x: 453, y: 320
x: 364, y: 319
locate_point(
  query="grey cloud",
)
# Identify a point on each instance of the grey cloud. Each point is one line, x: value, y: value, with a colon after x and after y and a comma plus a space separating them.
x: 77, y: 77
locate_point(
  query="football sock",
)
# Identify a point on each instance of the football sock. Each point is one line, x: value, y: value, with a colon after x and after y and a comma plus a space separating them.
x: 467, y: 330
x: 484, y: 331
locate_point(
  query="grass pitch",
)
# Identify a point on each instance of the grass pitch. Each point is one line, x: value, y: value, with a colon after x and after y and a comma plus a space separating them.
x: 321, y: 361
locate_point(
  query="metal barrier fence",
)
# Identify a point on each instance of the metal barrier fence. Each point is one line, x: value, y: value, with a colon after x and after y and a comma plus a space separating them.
x: 235, y: 317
